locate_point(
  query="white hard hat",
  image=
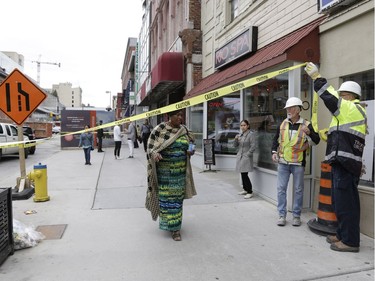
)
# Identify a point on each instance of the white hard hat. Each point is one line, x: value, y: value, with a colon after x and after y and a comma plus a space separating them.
x: 293, y: 101
x: 351, y: 87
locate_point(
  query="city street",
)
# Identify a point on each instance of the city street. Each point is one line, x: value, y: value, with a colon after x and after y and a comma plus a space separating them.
x: 110, y: 236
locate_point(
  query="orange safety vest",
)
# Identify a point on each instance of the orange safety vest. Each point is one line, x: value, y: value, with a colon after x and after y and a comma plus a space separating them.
x: 291, y: 149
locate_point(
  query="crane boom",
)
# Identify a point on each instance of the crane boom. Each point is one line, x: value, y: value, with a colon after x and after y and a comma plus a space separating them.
x: 38, y: 62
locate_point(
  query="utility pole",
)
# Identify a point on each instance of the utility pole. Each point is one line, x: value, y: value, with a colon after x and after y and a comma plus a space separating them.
x: 38, y: 62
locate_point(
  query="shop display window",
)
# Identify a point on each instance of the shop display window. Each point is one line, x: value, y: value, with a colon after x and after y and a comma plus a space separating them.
x: 366, y: 80
x: 196, y: 125
x: 264, y: 109
x: 223, y: 122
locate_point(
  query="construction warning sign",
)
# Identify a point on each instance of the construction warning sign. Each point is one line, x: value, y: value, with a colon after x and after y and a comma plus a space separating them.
x: 19, y: 96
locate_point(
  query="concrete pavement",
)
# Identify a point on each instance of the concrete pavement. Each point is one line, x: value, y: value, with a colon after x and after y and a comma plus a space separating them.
x: 110, y: 236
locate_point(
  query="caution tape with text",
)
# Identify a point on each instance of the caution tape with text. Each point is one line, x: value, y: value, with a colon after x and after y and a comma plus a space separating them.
x: 226, y: 90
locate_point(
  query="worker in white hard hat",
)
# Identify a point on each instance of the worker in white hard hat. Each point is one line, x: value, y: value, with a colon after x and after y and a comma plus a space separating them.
x: 345, y: 144
x: 292, y: 139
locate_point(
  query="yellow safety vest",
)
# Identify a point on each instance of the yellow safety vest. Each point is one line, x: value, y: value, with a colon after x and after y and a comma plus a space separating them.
x: 292, y: 148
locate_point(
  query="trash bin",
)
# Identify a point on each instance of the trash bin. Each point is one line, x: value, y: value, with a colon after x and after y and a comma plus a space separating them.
x: 6, y: 224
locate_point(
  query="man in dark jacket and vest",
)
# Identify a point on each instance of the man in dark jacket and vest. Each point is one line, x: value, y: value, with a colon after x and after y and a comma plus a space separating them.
x: 345, y: 145
x: 292, y: 140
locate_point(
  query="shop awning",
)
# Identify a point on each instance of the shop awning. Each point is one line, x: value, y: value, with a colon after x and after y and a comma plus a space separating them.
x: 301, y: 45
x: 166, y: 76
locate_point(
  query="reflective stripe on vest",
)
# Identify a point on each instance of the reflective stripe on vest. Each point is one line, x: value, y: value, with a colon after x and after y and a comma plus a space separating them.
x: 292, y: 149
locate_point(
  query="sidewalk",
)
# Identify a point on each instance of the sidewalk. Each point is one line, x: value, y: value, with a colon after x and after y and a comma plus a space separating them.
x: 111, y: 237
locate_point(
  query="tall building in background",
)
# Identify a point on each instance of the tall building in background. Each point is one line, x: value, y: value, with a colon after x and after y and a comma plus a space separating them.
x: 68, y: 96
x: 126, y: 103
x: 168, y: 53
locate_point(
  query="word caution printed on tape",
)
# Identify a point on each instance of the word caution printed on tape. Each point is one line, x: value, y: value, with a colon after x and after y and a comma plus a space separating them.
x: 226, y: 90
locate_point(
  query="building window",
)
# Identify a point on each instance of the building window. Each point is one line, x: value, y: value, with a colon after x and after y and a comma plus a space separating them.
x: 224, y: 122
x: 196, y: 125
x: 233, y: 9
x: 366, y: 80
x: 264, y: 109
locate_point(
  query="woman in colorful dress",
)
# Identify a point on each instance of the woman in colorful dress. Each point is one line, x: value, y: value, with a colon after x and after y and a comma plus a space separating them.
x: 169, y: 173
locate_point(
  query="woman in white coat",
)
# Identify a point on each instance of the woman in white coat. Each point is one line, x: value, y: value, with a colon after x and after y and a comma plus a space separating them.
x: 244, y: 163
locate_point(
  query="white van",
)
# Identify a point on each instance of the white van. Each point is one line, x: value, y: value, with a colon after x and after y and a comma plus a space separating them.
x: 9, y: 133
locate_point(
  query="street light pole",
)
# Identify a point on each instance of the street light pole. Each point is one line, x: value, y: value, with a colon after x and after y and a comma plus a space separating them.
x: 110, y: 99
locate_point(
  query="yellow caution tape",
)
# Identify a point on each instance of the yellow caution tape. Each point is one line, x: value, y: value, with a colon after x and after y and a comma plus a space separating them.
x: 314, y: 118
x: 28, y: 143
x: 226, y: 90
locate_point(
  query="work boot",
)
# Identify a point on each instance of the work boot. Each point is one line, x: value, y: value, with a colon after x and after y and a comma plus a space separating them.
x: 332, y: 239
x: 341, y: 247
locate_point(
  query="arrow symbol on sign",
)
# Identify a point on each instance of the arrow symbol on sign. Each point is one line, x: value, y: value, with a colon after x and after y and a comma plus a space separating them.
x: 7, y: 94
x: 19, y: 96
x: 26, y: 95
x: 22, y: 92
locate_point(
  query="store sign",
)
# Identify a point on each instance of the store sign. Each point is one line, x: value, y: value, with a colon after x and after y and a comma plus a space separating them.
x: 243, y: 44
x: 329, y: 5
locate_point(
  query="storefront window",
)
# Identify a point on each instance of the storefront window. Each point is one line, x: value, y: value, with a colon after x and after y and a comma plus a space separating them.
x: 224, y: 122
x: 264, y: 109
x: 196, y: 125
x: 366, y: 80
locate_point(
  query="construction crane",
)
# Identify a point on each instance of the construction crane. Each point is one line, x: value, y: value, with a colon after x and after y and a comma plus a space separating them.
x: 38, y: 62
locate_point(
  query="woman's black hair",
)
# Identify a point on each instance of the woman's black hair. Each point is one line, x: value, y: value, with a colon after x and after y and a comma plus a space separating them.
x: 246, y: 122
x: 173, y: 112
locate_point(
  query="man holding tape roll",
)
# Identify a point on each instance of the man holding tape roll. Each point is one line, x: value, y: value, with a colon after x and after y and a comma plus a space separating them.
x: 293, y: 138
x: 345, y: 144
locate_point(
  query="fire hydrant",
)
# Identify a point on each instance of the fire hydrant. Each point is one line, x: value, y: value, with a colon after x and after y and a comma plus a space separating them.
x: 39, y: 176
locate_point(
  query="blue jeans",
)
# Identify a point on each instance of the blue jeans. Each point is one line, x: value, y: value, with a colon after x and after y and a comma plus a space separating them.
x: 283, y: 174
x: 87, y: 152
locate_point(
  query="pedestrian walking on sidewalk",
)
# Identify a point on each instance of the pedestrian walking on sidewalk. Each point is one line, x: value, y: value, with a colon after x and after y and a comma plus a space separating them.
x: 131, y: 133
x: 86, y: 141
x: 117, y: 136
x: 345, y: 145
x: 100, y: 134
x: 244, y: 161
x: 293, y: 138
x: 169, y: 173
x: 145, y: 133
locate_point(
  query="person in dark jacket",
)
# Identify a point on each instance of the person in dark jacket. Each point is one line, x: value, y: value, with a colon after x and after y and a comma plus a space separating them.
x: 293, y: 138
x: 345, y: 145
x: 146, y: 129
x: 100, y: 134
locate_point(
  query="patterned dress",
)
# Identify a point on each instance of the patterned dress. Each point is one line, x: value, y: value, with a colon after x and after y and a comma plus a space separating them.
x: 171, y: 171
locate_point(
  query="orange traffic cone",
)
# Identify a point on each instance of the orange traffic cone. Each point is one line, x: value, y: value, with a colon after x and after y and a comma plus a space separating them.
x: 326, y: 222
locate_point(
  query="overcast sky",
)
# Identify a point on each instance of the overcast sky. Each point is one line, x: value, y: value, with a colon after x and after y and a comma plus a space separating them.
x: 88, y: 38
